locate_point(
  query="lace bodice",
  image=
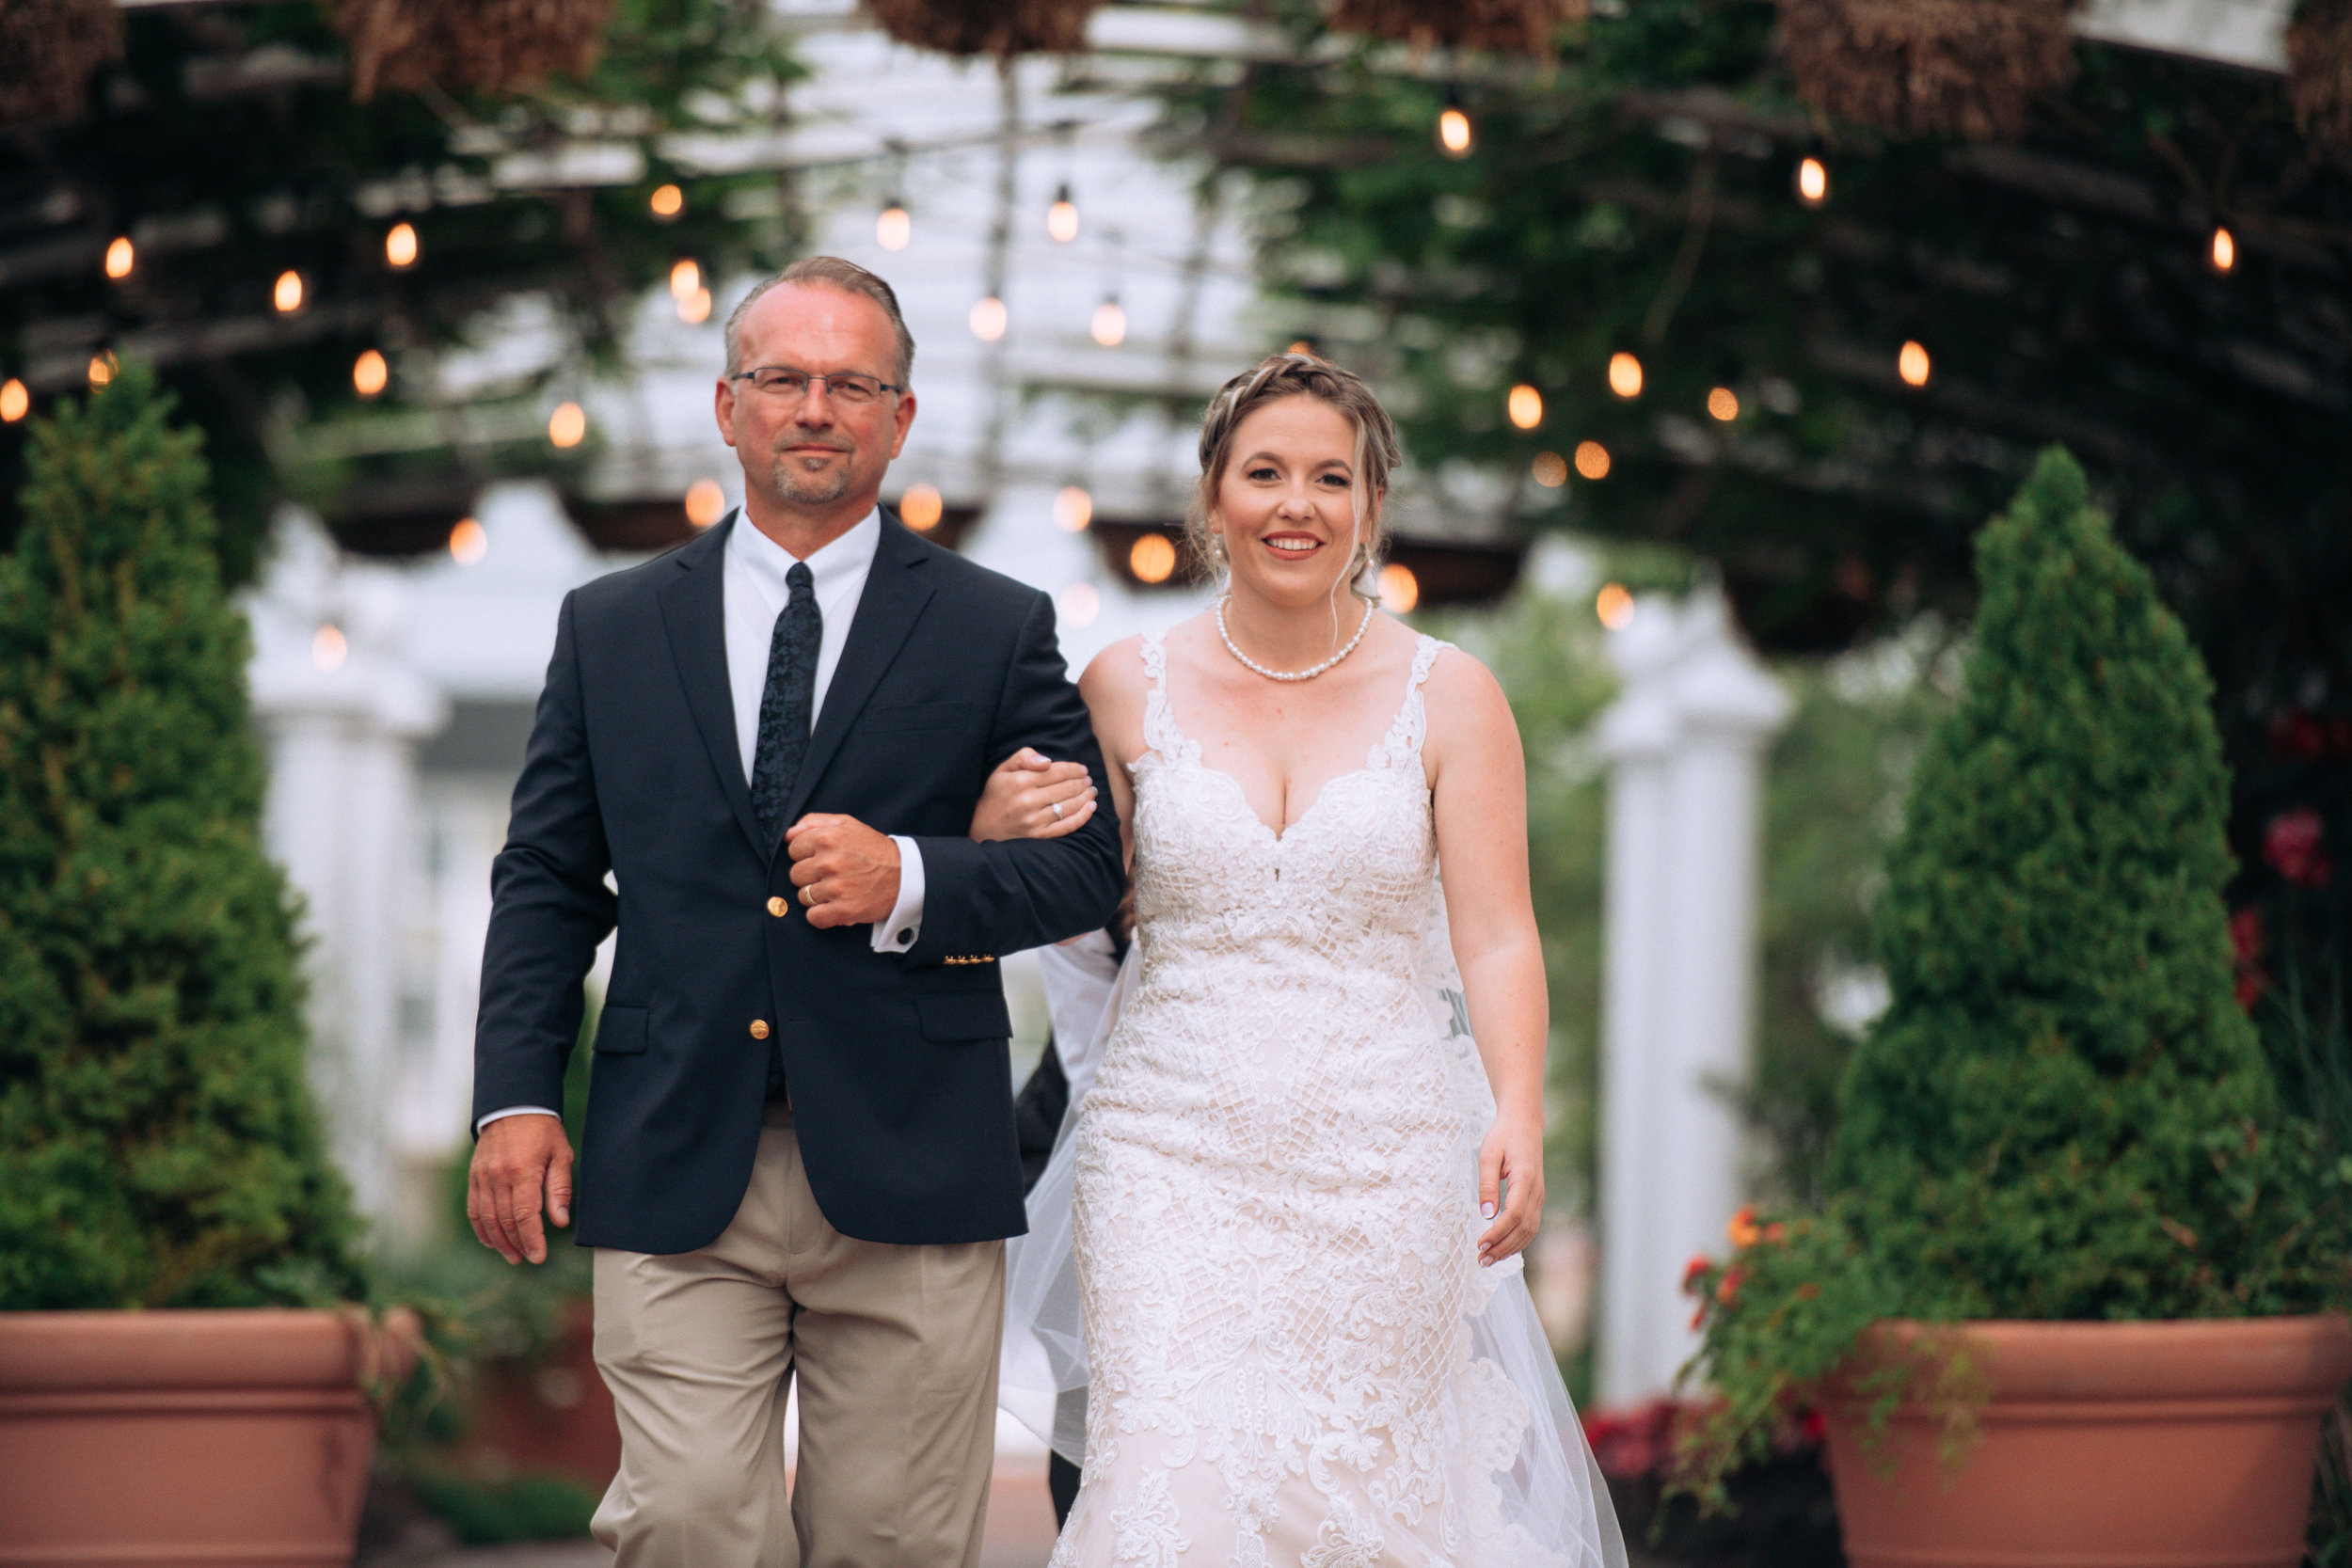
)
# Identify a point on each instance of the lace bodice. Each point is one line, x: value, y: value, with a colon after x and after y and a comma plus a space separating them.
x: 1276, y: 1196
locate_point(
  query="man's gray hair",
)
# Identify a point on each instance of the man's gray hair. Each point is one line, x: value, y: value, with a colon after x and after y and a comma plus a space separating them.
x: 830, y: 272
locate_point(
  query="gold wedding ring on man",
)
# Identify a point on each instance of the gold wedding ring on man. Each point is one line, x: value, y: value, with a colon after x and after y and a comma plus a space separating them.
x: 808, y: 896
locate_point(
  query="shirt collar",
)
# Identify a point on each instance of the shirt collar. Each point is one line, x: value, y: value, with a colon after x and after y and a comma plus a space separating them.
x: 766, y: 561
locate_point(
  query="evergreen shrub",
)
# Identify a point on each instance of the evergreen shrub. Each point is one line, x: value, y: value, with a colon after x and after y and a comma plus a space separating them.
x: 159, y: 1145
x: 2064, y: 1113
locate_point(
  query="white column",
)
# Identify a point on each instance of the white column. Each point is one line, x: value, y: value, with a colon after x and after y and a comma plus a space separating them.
x: 1685, y: 745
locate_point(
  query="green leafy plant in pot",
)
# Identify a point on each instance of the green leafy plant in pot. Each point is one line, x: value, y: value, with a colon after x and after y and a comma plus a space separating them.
x: 166, y: 1207
x: 2061, y: 1177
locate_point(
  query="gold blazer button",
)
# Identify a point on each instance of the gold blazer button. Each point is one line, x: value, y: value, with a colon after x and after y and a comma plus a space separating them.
x: 760, y: 1028
x: 778, y: 908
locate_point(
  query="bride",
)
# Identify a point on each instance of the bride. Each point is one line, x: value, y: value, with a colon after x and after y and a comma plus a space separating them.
x: 1276, y: 1265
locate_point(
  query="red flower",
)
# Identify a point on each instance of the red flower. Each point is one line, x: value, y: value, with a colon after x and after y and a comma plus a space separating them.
x: 2246, y: 948
x: 1695, y: 1270
x: 1727, y: 1289
x: 2293, y: 844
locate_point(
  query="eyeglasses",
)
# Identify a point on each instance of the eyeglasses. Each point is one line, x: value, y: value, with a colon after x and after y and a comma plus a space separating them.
x: 842, y: 385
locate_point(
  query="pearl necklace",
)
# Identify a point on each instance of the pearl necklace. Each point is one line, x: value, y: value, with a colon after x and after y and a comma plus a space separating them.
x: 1361, y: 626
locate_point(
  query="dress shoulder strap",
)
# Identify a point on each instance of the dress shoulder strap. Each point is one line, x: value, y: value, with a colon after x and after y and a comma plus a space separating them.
x: 1160, y: 732
x: 1401, y: 744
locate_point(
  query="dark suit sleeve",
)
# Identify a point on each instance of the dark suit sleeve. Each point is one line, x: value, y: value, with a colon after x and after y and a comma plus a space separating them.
x: 1017, y: 893
x: 549, y: 903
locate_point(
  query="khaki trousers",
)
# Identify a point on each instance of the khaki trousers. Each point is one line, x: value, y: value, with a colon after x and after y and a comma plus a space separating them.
x: 894, y: 1349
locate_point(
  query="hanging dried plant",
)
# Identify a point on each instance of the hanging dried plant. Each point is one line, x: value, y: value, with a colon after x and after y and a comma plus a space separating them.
x: 49, y: 50
x: 1967, y: 68
x: 2319, y: 69
x: 999, y: 27
x: 1500, y: 26
x: 468, y: 45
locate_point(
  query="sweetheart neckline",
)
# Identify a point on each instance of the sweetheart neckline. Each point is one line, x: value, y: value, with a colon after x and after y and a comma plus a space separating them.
x: 1276, y: 837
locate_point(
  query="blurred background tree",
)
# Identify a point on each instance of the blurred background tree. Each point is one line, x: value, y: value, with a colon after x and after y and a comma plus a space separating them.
x: 293, y: 241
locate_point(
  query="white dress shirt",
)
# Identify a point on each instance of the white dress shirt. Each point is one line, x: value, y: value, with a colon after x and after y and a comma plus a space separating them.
x: 755, y: 591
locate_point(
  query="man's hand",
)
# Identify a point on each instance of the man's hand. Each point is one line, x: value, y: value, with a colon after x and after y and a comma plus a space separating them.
x: 517, y: 1160
x: 847, y: 872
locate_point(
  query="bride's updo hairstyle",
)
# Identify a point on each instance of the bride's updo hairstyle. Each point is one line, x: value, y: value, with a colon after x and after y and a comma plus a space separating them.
x: 1294, y: 376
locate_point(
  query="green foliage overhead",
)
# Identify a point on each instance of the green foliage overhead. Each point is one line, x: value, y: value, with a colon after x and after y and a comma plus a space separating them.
x: 158, y: 1142
x: 2064, y: 1113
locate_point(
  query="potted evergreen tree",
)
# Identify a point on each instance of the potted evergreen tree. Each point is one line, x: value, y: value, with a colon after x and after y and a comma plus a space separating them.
x: 2073, y: 1299
x: 176, y: 1380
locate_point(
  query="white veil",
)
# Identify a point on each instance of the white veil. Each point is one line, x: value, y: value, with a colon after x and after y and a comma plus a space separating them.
x: 1551, y: 1500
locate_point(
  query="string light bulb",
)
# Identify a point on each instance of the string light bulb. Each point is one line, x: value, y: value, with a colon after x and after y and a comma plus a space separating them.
x: 102, y: 366
x: 330, y: 648
x: 2223, y: 251
x: 1592, y: 460
x: 568, y: 425
x: 1723, y: 404
x: 1152, y: 558
x: 287, y: 293
x: 119, y: 257
x: 1615, y: 605
x: 1550, y: 469
x: 695, y: 307
x: 1625, y: 374
x: 921, y: 508
x: 685, y: 277
x: 401, y: 249
x: 15, y: 401
x: 1911, y: 364
x: 1073, y: 509
x: 1109, y: 326
x: 706, y: 503
x: 1062, y: 218
x: 988, y: 318
x: 1526, y: 406
x: 468, y: 541
x: 370, y: 374
x: 1454, y: 135
x: 1400, y: 591
x: 1812, y: 181
x: 895, y: 226
x: 667, y: 203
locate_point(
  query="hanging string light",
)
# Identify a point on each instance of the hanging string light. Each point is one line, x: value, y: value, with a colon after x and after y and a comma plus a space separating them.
x: 1454, y: 135
x: 706, y: 503
x: 2223, y: 251
x: 921, y: 508
x: 1911, y: 364
x: 1152, y: 558
x: 1615, y: 605
x: 1812, y: 181
x: 1625, y: 376
x: 686, y: 287
x: 328, y: 647
x: 568, y: 425
x: 1550, y: 469
x: 119, y: 258
x: 1400, y: 591
x: 1592, y: 460
x: 667, y: 203
x: 1109, y: 326
x: 1062, y: 218
x: 15, y: 401
x: 1723, y: 404
x: 1073, y: 509
x: 287, y: 293
x: 401, y: 249
x: 102, y: 366
x: 468, y: 541
x: 1526, y: 406
x: 895, y: 226
x: 988, y: 318
x: 370, y: 374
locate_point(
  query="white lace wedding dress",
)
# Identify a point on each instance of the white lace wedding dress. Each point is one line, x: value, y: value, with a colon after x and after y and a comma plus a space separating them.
x: 1288, y: 1352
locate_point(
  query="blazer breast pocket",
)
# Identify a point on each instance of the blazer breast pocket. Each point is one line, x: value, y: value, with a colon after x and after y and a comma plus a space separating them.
x: 621, y: 1032
x: 973, y: 1016
x: 914, y: 716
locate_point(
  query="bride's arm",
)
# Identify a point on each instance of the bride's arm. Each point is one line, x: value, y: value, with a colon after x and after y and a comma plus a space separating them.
x: 1478, y: 785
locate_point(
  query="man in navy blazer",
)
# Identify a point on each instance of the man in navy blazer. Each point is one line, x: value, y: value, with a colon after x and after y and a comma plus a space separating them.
x: 758, y: 756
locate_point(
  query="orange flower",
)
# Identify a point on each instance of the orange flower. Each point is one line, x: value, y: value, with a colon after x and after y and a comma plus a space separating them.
x: 1743, y: 1230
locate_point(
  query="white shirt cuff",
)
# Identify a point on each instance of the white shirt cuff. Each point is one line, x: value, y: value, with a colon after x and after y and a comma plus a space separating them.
x: 905, y: 925
x: 511, y: 1111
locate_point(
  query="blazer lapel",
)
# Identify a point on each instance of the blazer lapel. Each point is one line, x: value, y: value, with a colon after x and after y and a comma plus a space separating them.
x: 894, y: 594
x: 694, y: 613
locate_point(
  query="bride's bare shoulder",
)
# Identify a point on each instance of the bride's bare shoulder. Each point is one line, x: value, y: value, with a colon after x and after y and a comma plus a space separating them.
x: 1466, y: 704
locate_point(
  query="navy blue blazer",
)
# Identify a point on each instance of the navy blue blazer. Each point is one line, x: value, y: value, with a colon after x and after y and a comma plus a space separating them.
x: 901, y: 1088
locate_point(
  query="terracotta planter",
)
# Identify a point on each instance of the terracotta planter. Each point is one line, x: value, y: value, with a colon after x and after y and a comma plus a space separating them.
x: 185, y: 1437
x: 552, y: 1416
x: 2155, y: 1445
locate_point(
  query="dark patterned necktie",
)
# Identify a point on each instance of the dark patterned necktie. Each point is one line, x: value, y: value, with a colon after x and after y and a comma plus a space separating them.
x: 785, y: 704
